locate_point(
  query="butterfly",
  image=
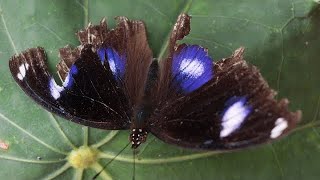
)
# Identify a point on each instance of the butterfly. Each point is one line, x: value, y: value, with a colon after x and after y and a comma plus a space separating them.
x: 111, y: 81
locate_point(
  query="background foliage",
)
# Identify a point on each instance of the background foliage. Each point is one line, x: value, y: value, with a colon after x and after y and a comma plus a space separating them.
x: 281, y: 38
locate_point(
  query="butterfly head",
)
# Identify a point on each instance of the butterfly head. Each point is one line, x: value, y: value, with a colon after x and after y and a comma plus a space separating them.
x: 138, y: 136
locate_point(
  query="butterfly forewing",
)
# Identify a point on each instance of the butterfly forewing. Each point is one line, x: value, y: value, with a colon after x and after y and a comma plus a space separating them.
x: 103, y: 78
x: 86, y: 96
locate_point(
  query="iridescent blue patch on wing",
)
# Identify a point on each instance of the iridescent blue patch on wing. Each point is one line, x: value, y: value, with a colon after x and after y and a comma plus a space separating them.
x: 69, y: 81
x: 234, y: 115
x: 116, y: 63
x: 191, y: 68
x: 102, y: 54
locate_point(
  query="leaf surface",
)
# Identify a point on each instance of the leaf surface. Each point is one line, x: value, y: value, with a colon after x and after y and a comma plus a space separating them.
x: 281, y: 38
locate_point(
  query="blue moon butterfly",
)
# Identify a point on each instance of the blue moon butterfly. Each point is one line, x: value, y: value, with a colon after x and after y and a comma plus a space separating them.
x: 111, y: 81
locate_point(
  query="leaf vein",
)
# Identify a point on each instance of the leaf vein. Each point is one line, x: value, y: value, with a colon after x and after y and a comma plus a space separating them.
x: 31, y: 161
x: 57, y: 172
x: 105, y: 140
x: 31, y: 135
x: 7, y: 31
x: 58, y: 127
x: 277, y: 160
x: 159, y: 160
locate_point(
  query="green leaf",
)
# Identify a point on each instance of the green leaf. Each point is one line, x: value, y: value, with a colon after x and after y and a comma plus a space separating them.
x: 281, y: 38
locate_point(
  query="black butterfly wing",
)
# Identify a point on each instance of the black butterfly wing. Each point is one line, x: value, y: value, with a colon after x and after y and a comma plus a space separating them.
x: 89, y: 95
x: 222, y: 106
x: 31, y: 73
x: 95, y: 90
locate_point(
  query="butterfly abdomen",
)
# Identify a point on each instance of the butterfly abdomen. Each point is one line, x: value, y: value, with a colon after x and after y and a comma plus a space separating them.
x: 143, y: 111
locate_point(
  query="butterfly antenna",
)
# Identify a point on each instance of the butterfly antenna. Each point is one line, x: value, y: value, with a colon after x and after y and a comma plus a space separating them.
x: 134, y: 164
x: 95, y: 176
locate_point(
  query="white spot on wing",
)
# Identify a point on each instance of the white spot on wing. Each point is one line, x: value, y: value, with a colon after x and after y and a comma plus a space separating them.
x: 233, y: 118
x: 20, y: 76
x: 192, y: 67
x: 27, y: 65
x: 112, y: 65
x: 55, y: 89
x: 22, y: 71
x: 280, y: 125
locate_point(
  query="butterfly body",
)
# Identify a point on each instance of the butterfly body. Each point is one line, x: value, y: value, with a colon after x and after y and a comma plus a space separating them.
x: 110, y: 82
x: 139, y: 129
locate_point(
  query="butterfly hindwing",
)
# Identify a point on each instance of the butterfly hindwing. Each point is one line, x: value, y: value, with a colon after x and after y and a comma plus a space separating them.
x: 221, y: 106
